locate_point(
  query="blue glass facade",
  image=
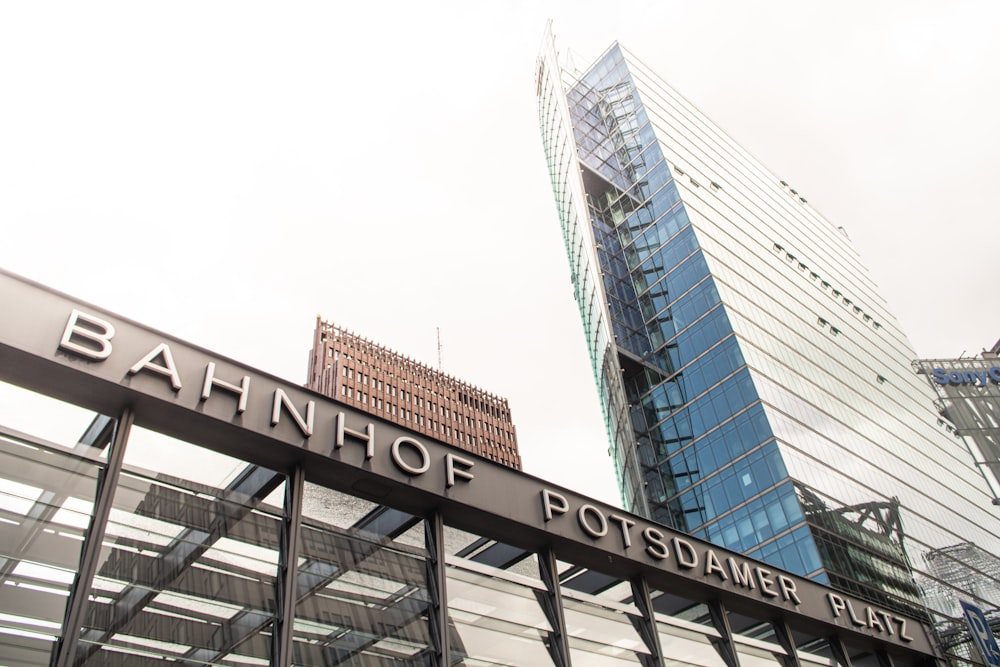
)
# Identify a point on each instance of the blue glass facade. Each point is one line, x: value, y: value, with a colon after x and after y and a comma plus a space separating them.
x: 681, y: 367
x: 758, y: 392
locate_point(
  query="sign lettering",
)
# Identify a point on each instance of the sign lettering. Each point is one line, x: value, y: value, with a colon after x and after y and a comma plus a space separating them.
x: 291, y: 417
x: 982, y: 634
x: 977, y: 378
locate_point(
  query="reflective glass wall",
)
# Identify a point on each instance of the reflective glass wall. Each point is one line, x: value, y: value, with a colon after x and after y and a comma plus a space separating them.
x: 50, y: 471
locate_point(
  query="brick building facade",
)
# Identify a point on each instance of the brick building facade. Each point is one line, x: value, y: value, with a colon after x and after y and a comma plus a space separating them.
x: 382, y: 382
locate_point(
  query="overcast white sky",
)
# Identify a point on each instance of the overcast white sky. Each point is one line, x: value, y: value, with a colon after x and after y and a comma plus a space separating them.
x: 227, y: 171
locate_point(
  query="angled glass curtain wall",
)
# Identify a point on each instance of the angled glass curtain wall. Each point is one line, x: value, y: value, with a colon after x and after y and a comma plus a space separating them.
x: 572, y: 204
x: 773, y: 406
x: 683, y: 372
x: 709, y: 458
x: 854, y: 425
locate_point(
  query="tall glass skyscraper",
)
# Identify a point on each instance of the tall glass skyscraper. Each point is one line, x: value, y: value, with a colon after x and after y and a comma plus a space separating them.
x: 757, y: 391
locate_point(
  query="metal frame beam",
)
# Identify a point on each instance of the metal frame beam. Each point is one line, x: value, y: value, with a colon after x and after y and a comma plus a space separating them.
x: 839, y: 651
x: 65, y: 652
x: 253, y: 483
x: 437, y: 588
x: 646, y: 626
x: 724, y: 644
x: 551, y: 603
x: 784, y: 636
x: 288, y: 568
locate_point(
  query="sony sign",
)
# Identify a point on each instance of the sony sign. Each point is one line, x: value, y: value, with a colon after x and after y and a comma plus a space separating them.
x: 978, y: 378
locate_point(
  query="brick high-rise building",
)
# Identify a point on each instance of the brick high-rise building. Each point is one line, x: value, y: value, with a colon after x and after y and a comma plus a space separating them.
x: 382, y: 382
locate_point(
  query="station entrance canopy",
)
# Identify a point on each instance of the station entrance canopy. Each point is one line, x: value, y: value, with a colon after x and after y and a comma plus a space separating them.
x: 338, y: 538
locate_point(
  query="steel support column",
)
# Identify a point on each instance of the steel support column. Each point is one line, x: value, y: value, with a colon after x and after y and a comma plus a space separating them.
x: 839, y: 652
x: 784, y: 635
x: 437, y: 589
x: 551, y: 603
x: 107, y: 484
x: 725, y: 644
x: 287, y: 584
x: 884, y: 659
x: 646, y: 627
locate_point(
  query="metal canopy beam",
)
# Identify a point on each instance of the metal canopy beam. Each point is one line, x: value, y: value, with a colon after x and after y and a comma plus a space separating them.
x: 65, y: 653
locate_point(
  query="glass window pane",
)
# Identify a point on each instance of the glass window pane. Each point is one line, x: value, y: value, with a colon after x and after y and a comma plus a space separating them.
x: 45, y: 418
x: 600, y: 618
x: 682, y: 646
x: 362, y: 592
x: 493, y: 608
x: 752, y: 656
x: 189, y: 562
x: 46, y: 501
x: 685, y: 631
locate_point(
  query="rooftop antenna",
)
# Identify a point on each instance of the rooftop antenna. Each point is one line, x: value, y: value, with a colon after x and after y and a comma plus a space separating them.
x: 440, y: 366
x: 569, y: 61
